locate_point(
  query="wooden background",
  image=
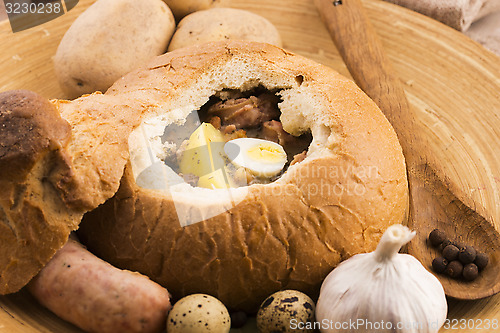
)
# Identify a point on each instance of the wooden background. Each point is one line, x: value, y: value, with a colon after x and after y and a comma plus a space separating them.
x: 3, y: 14
x: 452, y: 82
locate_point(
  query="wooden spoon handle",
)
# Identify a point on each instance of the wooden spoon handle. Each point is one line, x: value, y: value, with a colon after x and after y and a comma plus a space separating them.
x: 365, y: 58
x: 370, y: 68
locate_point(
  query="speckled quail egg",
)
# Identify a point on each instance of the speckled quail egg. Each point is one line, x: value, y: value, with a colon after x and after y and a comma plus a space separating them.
x: 286, y: 311
x: 198, y: 313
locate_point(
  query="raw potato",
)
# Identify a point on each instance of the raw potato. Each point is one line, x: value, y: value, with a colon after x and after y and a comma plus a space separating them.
x: 110, y: 39
x: 221, y: 24
x: 181, y: 8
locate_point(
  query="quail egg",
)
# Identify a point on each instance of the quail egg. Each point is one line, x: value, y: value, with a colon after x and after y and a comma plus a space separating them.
x: 286, y: 311
x: 198, y: 313
x: 262, y: 158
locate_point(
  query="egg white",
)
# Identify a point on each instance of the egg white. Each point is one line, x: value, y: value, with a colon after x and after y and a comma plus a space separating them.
x: 242, y: 153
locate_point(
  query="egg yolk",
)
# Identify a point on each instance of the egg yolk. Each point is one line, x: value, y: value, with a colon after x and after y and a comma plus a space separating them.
x: 265, y: 153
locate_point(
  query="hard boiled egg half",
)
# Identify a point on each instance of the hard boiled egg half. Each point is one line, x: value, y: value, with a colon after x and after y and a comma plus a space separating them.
x: 262, y: 158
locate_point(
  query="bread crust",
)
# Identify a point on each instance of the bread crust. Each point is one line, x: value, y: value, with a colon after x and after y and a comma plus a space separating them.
x: 31, y: 131
x: 27, y: 134
x: 54, y: 168
x: 288, y: 234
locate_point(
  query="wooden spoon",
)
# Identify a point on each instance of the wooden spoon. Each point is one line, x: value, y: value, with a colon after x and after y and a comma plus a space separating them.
x: 435, y: 202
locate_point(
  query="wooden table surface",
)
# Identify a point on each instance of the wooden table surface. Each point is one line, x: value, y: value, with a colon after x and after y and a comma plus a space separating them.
x: 3, y: 14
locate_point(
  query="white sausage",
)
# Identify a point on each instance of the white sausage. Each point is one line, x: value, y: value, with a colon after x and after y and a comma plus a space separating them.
x: 97, y: 297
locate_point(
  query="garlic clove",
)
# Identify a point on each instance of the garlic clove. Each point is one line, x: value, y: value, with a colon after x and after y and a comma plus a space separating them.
x: 382, y: 291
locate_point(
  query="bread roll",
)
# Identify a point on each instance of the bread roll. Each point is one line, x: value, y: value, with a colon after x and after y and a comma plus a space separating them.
x: 54, y: 167
x: 243, y: 244
x: 34, y: 224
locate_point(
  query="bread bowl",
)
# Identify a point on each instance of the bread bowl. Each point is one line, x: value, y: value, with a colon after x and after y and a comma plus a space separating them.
x: 244, y: 243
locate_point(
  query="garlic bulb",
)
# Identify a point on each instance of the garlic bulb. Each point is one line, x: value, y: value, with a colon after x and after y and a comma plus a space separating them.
x: 382, y: 291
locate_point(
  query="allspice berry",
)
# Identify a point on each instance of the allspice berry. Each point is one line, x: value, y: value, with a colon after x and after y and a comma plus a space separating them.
x: 444, y: 244
x: 451, y: 252
x: 439, y: 264
x: 467, y: 254
x: 454, y: 269
x: 470, y: 272
x: 458, y: 259
x: 458, y: 244
x: 481, y: 260
x: 436, y: 237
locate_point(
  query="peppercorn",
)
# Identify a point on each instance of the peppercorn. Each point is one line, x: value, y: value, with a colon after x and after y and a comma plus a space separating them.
x: 238, y: 319
x: 444, y: 244
x: 467, y: 254
x: 481, y: 260
x: 454, y: 269
x: 458, y: 244
x: 436, y: 237
x: 450, y: 252
x: 439, y: 264
x: 470, y: 272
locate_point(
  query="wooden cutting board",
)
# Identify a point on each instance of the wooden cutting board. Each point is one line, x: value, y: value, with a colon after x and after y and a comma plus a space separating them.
x: 452, y: 82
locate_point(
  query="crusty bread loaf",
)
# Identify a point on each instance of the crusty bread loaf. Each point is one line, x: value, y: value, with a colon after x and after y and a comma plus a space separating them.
x: 32, y: 140
x: 53, y: 169
x: 288, y: 234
